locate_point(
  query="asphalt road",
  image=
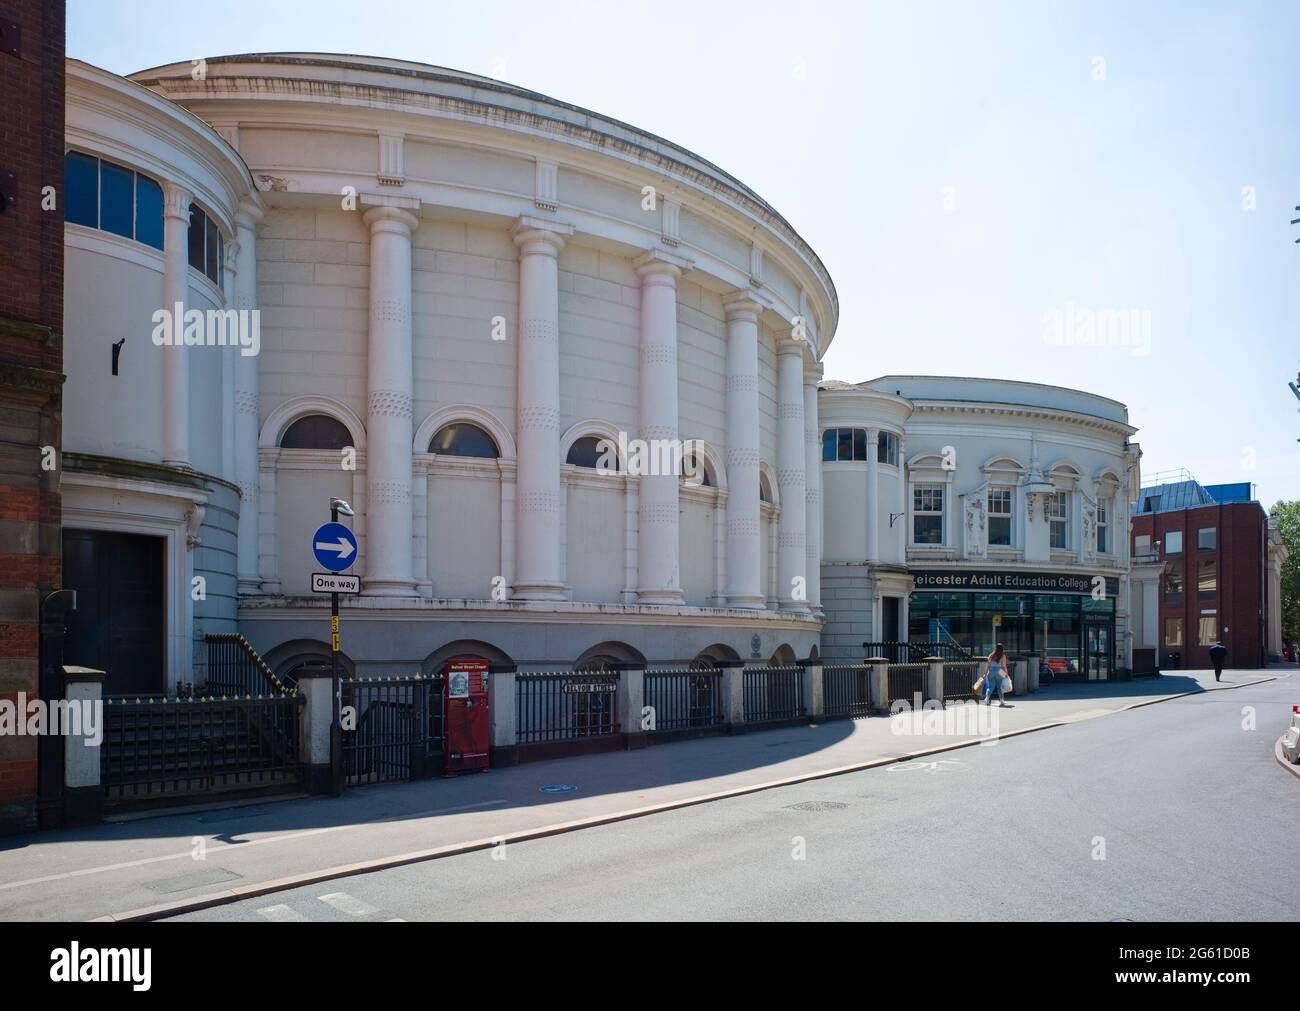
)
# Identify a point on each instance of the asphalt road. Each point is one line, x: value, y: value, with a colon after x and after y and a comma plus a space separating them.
x: 1174, y: 811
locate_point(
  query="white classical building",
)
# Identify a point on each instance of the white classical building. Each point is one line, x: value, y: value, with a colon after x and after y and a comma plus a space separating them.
x: 975, y: 511
x: 463, y: 288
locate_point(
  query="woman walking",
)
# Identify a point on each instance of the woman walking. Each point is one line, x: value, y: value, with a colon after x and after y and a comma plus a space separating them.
x: 997, y: 662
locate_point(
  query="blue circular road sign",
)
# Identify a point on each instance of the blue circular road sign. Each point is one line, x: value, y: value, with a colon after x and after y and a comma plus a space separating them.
x: 334, y: 546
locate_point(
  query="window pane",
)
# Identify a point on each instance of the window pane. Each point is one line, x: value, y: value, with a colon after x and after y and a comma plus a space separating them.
x: 81, y: 189
x: 213, y: 258
x: 829, y: 438
x: 1207, y: 539
x: 196, y: 248
x: 1142, y: 544
x: 590, y: 451
x: 316, y: 431
x: 1173, y: 631
x: 1207, y: 579
x: 859, y: 444
x: 1209, y: 630
x: 148, y: 212
x: 1174, y: 542
x: 846, y: 444
x: 116, y: 199
x: 1000, y: 530
x: 463, y: 440
x: 1173, y: 582
x: 927, y: 529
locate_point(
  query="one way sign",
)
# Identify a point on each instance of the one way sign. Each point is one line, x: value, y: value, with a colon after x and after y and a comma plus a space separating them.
x: 335, y: 546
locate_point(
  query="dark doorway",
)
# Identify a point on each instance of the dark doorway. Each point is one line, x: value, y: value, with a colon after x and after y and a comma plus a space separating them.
x: 120, y: 620
x: 889, y: 620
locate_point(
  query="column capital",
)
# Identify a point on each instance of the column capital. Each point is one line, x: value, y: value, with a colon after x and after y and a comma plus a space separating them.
x: 745, y: 304
x: 533, y: 234
x: 249, y: 214
x: 787, y: 347
x: 657, y: 261
x: 176, y: 201
x: 813, y: 373
x: 384, y: 212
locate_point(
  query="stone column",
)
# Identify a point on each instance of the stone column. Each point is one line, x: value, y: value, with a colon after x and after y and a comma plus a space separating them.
x: 658, y: 542
x: 873, y: 497
x: 389, y: 433
x: 813, y: 485
x: 792, y: 529
x: 744, y: 527
x: 175, y: 291
x: 901, y: 524
x: 247, y: 417
x: 537, y: 410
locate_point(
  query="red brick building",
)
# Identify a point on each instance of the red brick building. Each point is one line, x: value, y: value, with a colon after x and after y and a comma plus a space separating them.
x: 1212, y: 542
x: 31, y: 364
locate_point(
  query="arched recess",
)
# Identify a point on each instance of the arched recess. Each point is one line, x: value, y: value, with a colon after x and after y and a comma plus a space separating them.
x: 594, y: 428
x: 782, y: 656
x: 485, y: 420
x: 289, y: 657
x: 716, y: 473
x: 709, y: 657
x: 594, y: 506
x: 286, y: 413
x: 604, y: 655
x: 297, y: 483
x: 701, y: 528
x: 463, y: 649
x: 463, y: 522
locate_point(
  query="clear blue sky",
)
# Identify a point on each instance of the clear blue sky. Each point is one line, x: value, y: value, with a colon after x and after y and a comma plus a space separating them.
x: 963, y: 169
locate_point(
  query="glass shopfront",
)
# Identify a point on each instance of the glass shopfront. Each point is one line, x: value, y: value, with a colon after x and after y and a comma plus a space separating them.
x: 1073, y: 633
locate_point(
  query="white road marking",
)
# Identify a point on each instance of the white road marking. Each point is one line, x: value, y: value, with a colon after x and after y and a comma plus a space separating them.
x: 281, y: 914
x: 395, y: 919
x: 214, y: 842
x: 349, y: 904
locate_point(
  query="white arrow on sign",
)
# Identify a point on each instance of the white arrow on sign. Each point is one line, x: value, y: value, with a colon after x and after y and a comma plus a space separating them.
x: 343, y: 548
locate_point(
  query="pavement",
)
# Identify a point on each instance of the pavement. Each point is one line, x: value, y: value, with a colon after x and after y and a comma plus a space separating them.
x: 1173, y: 812
x: 166, y: 865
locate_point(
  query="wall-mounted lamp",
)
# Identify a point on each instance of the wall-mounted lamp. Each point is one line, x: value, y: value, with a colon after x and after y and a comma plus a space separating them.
x: 117, y: 352
x: 895, y: 516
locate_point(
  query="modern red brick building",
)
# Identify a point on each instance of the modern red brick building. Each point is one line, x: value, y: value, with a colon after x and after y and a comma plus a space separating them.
x: 1210, y: 544
x: 31, y: 379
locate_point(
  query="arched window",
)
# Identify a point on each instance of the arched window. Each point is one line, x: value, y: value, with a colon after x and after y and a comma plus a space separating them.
x: 463, y: 439
x: 695, y: 468
x: 594, y: 452
x: 764, y: 489
x: 316, y: 431
x: 113, y: 198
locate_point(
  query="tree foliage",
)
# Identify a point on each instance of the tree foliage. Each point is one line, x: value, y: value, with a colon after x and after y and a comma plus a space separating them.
x: 1288, y: 522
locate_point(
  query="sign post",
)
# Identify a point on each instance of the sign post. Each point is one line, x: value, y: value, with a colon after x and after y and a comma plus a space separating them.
x: 335, y: 549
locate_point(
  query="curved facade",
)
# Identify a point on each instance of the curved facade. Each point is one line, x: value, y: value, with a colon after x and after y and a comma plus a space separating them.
x: 975, y: 511
x: 460, y: 288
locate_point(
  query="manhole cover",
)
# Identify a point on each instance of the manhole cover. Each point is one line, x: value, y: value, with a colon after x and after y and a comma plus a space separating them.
x: 817, y: 805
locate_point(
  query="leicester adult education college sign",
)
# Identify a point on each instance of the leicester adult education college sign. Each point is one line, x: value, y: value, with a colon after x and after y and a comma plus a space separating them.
x: 1004, y: 581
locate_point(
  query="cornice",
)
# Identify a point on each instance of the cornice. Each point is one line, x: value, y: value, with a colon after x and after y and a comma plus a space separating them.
x: 1021, y: 411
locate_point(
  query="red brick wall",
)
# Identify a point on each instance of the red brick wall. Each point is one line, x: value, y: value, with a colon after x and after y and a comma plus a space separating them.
x: 31, y: 363
x: 1241, y: 528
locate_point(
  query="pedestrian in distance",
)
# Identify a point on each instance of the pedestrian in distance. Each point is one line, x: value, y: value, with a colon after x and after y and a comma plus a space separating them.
x: 1217, y: 653
x: 993, y: 675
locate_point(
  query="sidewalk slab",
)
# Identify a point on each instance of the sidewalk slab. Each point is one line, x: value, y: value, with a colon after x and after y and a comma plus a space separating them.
x: 144, y: 867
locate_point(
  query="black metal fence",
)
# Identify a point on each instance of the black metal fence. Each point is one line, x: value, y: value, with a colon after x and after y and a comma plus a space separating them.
x: 846, y: 689
x: 915, y: 652
x: 565, y: 705
x: 684, y: 699
x: 160, y: 747
x: 773, y: 693
x: 905, y: 681
x: 392, y: 728
x: 958, y: 679
x: 234, y: 668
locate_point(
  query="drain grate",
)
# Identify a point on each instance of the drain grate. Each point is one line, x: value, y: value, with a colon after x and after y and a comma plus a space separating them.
x: 817, y: 805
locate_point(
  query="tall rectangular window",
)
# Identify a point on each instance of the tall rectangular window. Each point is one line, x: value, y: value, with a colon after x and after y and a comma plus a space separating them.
x: 1142, y: 545
x: 1207, y: 539
x: 1173, y: 631
x: 1208, y: 633
x: 927, y: 514
x: 148, y: 212
x: 1103, y: 528
x: 1174, y: 582
x: 81, y: 189
x: 116, y: 200
x: 1207, y: 580
x: 887, y: 448
x: 1174, y: 542
x: 1059, y: 515
x: 1000, y: 517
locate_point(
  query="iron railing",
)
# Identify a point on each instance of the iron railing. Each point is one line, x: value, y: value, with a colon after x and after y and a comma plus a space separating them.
x: 959, y: 679
x: 905, y: 681
x: 234, y: 668
x: 846, y: 689
x: 155, y: 747
x: 684, y: 699
x: 915, y: 652
x: 565, y: 705
x: 773, y: 693
x: 392, y: 728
